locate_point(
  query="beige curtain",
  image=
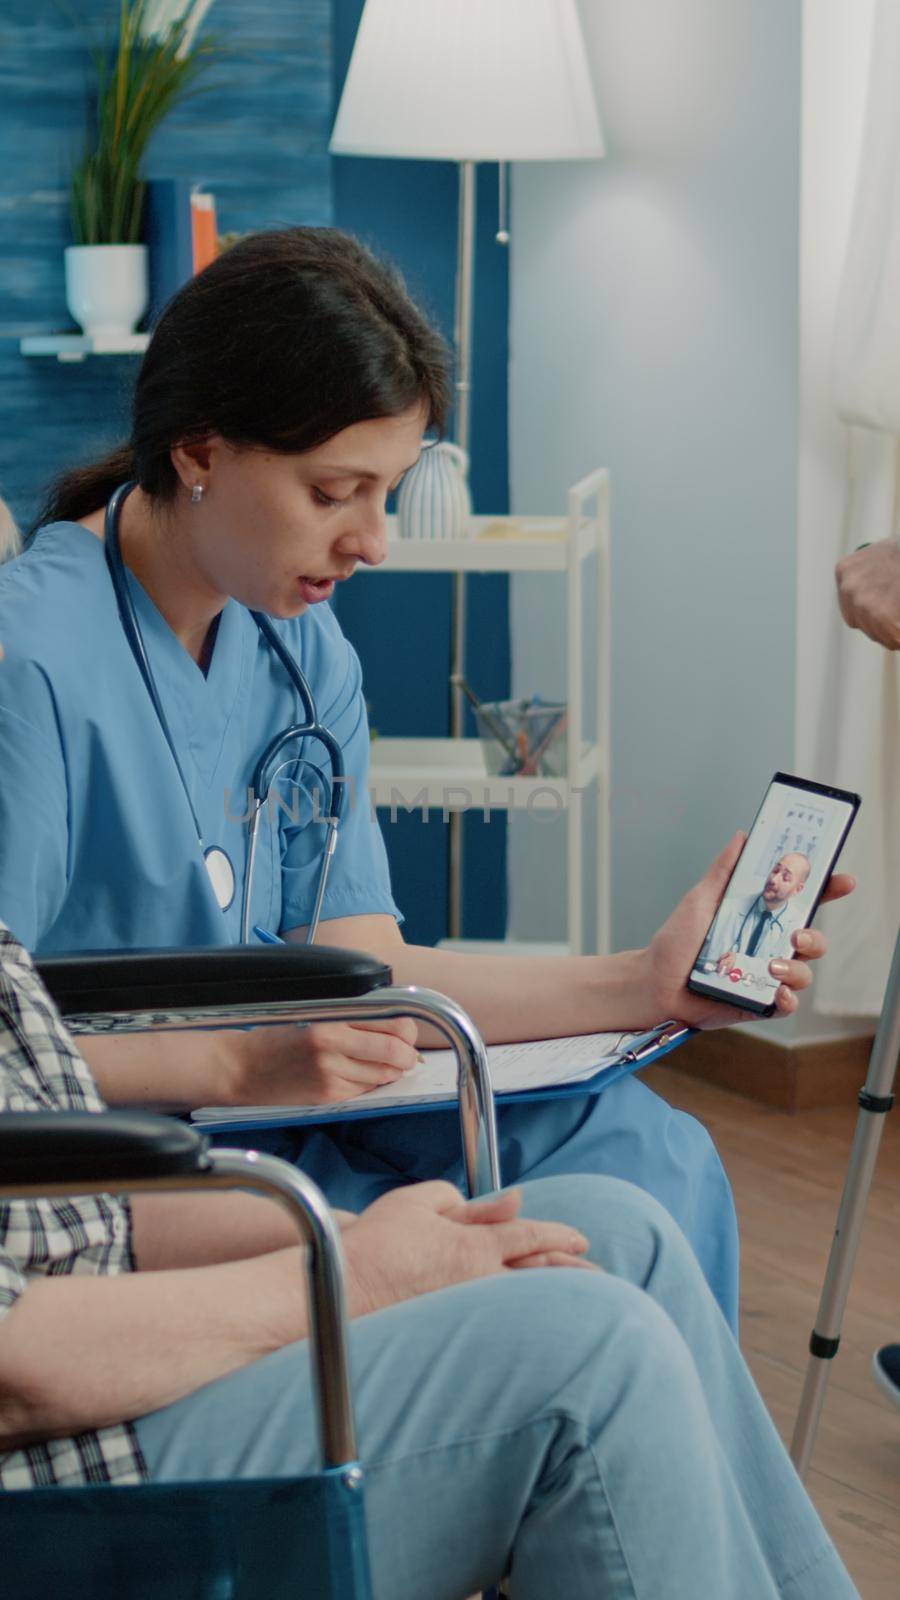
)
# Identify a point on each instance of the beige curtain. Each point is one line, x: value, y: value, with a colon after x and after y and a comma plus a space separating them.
x: 862, y: 739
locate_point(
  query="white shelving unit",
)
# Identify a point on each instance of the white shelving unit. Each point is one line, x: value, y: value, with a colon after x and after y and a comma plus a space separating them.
x: 77, y: 346
x: 450, y: 774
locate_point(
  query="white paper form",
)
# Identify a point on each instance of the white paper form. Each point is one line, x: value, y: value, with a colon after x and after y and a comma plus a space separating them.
x: 537, y: 1064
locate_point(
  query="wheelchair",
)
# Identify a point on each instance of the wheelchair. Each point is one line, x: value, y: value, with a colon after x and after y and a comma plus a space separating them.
x: 259, y: 1539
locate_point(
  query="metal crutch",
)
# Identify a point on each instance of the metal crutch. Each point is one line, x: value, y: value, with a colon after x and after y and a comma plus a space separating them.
x: 875, y: 1099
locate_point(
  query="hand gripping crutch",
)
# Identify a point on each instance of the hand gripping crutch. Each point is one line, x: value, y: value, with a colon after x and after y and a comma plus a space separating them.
x: 875, y: 1099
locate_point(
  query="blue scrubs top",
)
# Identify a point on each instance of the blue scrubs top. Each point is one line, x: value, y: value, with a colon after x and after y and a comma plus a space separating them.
x: 98, y: 848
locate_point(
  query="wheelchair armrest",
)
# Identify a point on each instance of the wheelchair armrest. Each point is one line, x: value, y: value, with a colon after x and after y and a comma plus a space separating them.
x: 77, y: 1146
x: 94, y: 1152
x: 114, y: 992
x: 167, y: 980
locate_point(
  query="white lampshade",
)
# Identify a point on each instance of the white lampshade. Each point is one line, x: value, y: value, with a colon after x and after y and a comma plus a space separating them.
x: 469, y: 80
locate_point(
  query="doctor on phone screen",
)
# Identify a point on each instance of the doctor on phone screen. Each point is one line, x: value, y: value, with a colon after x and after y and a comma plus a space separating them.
x: 760, y: 924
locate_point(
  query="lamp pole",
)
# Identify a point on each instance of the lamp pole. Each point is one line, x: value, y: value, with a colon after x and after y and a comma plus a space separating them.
x: 462, y: 338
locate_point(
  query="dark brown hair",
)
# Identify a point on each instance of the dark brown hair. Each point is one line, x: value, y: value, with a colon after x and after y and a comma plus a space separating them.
x: 282, y: 342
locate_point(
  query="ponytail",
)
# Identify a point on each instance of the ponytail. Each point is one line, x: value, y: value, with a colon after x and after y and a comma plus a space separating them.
x: 77, y: 493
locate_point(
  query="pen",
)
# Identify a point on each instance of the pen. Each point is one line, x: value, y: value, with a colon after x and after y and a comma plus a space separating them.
x: 646, y: 1044
x: 529, y: 767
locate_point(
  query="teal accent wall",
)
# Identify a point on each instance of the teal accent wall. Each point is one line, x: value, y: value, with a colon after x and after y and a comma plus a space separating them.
x: 256, y: 136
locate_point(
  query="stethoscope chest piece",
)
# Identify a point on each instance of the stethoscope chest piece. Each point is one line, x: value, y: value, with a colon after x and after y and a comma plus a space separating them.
x: 221, y: 875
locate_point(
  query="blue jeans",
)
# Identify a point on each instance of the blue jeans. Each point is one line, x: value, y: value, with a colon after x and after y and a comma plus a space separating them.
x: 592, y: 1434
x: 625, y: 1132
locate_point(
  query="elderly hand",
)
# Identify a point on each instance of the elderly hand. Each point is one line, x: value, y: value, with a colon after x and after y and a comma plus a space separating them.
x: 868, y: 583
x: 673, y: 951
x: 321, y: 1064
x: 426, y: 1237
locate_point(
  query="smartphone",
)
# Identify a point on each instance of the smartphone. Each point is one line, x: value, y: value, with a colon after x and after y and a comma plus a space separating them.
x: 775, y: 888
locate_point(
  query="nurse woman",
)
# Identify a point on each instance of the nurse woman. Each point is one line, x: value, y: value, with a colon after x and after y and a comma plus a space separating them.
x: 285, y: 392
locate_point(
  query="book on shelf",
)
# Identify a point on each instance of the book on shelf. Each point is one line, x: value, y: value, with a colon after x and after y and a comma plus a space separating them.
x: 168, y: 233
x: 181, y: 236
x: 203, y: 229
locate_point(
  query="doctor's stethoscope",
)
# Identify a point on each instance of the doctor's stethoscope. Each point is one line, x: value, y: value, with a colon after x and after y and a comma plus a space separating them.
x: 217, y: 861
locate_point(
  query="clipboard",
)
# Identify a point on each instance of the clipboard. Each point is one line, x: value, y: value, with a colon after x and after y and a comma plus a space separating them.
x: 642, y: 1050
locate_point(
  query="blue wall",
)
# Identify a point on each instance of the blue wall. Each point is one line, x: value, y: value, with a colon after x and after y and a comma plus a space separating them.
x: 408, y: 209
x: 257, y: 136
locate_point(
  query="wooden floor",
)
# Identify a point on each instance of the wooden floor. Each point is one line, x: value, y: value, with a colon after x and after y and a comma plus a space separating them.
x: 788, y: 1172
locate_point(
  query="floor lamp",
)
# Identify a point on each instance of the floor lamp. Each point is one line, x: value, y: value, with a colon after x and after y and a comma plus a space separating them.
x: 468, y: 81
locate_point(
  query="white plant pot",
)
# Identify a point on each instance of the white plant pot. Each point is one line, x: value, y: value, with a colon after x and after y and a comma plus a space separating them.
x: 106, y: 287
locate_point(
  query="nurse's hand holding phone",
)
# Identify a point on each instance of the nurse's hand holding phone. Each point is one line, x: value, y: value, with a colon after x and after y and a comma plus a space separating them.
x: 673, y: 949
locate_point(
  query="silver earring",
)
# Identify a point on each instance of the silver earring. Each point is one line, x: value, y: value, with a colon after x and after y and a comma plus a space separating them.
x: 196, y: 494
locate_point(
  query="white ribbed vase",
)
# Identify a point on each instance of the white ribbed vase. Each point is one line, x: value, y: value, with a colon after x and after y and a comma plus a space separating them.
x: 434, y: 500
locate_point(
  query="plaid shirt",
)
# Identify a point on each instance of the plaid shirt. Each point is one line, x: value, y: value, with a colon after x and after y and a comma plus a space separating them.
x: 40, y: 1070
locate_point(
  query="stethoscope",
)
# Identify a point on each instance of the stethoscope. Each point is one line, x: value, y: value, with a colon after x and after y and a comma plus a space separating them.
x: 217, y: 861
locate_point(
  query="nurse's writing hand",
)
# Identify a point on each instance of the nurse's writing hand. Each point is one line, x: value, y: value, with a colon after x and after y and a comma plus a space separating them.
x: 426, y: 1237
x: 670, y: 956
x: 321, y: 1064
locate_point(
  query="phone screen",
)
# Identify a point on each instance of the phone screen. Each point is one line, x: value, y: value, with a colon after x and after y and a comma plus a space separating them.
x: 774, y: 889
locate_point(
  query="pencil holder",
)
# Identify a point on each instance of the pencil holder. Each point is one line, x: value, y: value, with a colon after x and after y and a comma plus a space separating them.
x: 523, y: 737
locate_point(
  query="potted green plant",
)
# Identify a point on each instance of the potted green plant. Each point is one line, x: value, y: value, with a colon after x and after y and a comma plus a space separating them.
x: 150, y: 64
